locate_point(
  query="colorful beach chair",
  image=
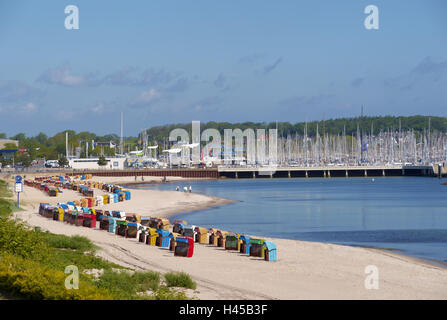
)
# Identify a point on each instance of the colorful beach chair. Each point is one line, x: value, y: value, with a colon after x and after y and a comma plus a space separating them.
x: 163, y: 238
x: 184, y: 247
x: 270, y: 251
x: 132, y: 230
x: 201, y: 235
x: 245, y: 244
x: 232, y: 242
x: 257, y: 248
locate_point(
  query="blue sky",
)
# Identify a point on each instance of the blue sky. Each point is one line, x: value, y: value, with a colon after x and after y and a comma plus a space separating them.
x: 176, y: 61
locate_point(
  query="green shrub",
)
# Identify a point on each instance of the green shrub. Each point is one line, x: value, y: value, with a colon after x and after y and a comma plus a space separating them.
x: 126, y: 286
x: 17, y: 239
x: 32, y: 264
x: 5, y: 208
x: 164, y: 293
x: 80, y: 243
x: 75, y: 250
x: 60, y: 258
x: 32, y: 280
x: 179, y: 279
x: 117, y: 283
x: 146, y: 280
x: 4, y: 191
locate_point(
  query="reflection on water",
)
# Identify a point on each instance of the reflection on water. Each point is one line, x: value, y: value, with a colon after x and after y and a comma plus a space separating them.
x: 405, y: 213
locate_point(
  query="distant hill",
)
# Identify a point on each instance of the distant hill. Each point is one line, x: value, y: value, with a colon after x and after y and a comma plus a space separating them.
x: 331, y: 126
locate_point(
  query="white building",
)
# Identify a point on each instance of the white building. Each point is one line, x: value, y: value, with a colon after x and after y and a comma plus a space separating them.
x: 92, y: 164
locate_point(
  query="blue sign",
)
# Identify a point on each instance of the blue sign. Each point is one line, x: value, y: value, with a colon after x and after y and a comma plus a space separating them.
x: 18, y: 179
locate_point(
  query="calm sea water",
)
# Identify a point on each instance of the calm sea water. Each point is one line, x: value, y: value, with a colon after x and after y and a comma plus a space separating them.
x: 408, y: 214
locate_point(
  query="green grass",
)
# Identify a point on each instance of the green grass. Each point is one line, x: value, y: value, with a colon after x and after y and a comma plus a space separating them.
x: 18, y: 239
x: 6, y: 208
x: 34, y: 280
x: 164, y: 293
x: 127, y: 286
x: 179, y: 279
x: 146, y: 280
x: 59, y: 241
x: 32, y: 265
x: 75, y: 250
x: 4, y: 191
x: 84, y: 261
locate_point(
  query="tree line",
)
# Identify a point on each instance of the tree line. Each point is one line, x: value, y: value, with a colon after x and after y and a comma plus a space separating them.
x: 41, y: 146
x: 331, y: 127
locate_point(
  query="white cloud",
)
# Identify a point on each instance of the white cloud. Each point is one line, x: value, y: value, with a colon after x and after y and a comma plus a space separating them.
x: 98, y: 108
x: 63, y: 76
x: 29, y: 107
x: 146, y: 98
x: 149, y: 95
x: 22, y: 109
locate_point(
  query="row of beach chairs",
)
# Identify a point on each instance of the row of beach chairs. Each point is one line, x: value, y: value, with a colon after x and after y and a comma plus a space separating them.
x: 45, y: 186
x: 230, y: 241
x: 152, y: 230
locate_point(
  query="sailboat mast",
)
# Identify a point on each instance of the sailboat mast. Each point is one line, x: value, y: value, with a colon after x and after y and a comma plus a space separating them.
x: 121, y: 139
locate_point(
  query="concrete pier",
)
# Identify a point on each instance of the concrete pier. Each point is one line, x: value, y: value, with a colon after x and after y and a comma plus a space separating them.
x: 184, y: 173
x: 280, y: 172
x: 328, y: 172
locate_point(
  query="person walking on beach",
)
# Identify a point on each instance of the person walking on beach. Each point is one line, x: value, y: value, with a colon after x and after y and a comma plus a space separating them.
x: 190, y: 189
x: 185, y: 189
x: 177, y: 188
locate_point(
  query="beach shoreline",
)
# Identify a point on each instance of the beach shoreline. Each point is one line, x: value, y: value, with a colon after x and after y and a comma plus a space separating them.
x: 304, y: 270
x: 183, y: 215
x: 160, y: 181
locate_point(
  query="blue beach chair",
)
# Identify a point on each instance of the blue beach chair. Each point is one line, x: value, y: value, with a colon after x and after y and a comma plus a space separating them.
x: 245, y: 244
x: 270, y: 253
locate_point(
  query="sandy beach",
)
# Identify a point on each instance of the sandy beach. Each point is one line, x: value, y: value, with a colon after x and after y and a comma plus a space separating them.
x: 304, y: 270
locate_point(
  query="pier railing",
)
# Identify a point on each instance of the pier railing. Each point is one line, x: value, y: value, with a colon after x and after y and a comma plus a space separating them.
x: 325, y: 171
x: 255, y: 172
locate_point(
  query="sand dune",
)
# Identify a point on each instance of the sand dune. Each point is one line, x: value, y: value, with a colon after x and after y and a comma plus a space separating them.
x: 305, y: 270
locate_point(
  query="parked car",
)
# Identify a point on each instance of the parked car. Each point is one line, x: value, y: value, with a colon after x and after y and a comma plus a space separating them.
x: 52, y: 164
